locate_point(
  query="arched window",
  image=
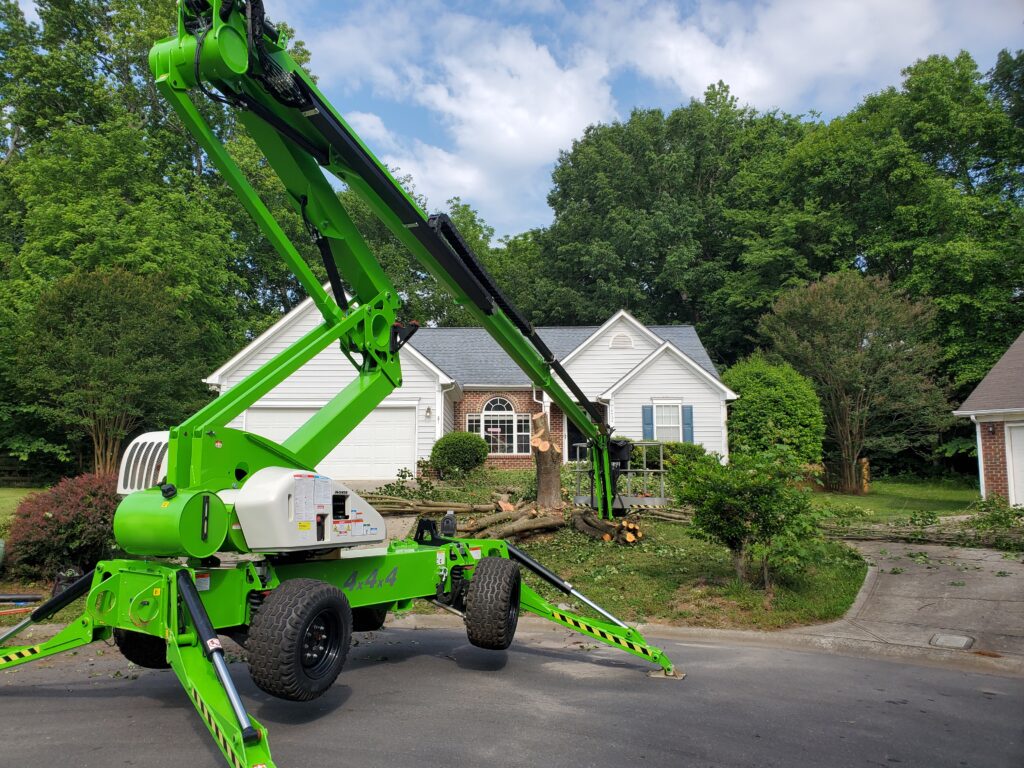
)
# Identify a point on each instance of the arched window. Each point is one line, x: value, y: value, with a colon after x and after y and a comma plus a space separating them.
x: 504, y: 430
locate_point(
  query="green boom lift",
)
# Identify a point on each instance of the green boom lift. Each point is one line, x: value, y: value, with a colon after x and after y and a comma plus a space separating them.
x: 233, y: 534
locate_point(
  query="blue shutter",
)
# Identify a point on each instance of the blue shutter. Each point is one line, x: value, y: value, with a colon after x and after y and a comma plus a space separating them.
x: 687, y: 423
x: 648, y: 419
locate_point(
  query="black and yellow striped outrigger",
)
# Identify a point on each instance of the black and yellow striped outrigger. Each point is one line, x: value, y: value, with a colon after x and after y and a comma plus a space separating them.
x: 613, y: 631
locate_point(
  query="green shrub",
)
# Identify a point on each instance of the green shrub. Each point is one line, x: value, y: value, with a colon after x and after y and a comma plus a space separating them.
x: 995, y: 513
x: 777, y: 406
x: 753, y: 506
x: 683, y: 454
x: 458, y: 452
x: 70, y: 525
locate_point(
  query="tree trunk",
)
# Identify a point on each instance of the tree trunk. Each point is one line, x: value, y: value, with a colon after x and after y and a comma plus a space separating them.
x: 739, y: 564
x: 548, y: 458
x: 849, y: 477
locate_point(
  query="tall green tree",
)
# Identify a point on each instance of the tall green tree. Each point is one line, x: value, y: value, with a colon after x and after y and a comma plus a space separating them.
x: 871, y: 354
x: 658, y: 213
x: 94, y: 364
x: 920, y: 185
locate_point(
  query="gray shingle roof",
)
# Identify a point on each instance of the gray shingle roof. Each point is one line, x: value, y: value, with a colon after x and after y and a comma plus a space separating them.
x: 1003, y: 386
x: 472, y: 357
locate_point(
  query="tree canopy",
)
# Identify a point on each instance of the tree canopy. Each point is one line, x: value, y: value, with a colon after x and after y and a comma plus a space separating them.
x: 872, y: 357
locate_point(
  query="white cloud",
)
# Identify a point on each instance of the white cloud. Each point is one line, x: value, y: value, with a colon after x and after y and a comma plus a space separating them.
x: 507, y: 97
x: 372, y: 130
x: 778, y: 53
x: 506, y: 104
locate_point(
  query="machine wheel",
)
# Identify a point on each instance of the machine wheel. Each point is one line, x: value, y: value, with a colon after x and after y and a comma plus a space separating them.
x: 143, y: 650
x: 492, y: 603
x: 368, y: 618
x: 299, y: 638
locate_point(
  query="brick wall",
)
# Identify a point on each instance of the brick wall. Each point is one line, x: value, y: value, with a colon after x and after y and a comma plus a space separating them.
x: 993, y: 452
x: 523, y: 402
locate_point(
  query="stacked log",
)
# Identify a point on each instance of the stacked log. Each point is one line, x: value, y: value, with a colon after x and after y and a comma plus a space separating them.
x: 621, y: 532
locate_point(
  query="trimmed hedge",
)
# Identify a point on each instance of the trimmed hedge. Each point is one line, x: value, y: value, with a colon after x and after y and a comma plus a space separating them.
x: 777, y: 406
x: 458, y: 452
x: 70, y: 525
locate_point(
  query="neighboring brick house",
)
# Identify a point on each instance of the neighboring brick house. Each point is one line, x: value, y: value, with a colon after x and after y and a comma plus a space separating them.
x: 656, y: 382
x: 996, y: 407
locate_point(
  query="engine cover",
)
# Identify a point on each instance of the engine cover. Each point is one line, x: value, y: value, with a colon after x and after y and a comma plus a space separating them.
x: 284, y: 510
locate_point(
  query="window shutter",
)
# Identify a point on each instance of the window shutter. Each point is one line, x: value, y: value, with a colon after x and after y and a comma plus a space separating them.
x: 648, y: 419
x: 687, y: 423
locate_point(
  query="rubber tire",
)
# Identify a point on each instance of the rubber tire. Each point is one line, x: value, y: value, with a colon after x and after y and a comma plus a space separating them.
x: 276, y: 637
x: 368, y: 618
x: 492, y: 603
x: 142, y: 650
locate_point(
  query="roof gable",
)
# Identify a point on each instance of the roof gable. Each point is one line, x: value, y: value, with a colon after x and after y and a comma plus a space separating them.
x: 670, y: 349
x: 471, y: 357
x: 287, y: 323
x: 1002, y: 389
x: 622, y: 317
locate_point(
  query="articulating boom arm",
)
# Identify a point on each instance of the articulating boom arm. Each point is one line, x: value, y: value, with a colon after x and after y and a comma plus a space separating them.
x: 230, y: 45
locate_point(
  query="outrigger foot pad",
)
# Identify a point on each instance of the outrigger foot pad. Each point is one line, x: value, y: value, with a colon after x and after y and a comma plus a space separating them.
x: 661, y: 674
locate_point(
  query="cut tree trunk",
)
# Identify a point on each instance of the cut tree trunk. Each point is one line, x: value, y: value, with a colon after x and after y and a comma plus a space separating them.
x: 548, y: 458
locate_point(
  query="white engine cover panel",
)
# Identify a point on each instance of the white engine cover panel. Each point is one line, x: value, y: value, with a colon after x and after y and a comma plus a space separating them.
x: 282, y: 510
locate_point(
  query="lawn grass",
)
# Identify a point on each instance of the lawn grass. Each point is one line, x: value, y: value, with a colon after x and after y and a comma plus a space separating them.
x: 672, y: 577
x: 897, y: 500
x: 475, y: 487
x: 9, y: 500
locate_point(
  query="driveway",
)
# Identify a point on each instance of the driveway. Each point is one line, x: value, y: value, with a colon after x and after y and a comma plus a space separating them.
x: 410, y: 698
x: 920, y: 596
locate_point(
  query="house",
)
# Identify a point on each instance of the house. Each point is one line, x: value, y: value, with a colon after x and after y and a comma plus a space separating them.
x: 996, y: 406
x: 655, y: 382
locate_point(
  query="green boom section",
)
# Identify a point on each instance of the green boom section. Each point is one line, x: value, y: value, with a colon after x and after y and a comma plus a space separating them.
x: 233, y: 49
x: 229, y: 45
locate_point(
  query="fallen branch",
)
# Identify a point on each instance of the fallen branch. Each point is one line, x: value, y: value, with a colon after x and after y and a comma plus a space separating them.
x: 487, y: 521
x: 524, y: 525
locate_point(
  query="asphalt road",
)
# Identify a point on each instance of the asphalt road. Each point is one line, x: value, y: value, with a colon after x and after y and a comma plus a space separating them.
x: 415, y: 698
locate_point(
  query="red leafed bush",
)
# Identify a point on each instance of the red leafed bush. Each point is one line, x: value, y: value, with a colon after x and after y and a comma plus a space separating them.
x: 69, y: 525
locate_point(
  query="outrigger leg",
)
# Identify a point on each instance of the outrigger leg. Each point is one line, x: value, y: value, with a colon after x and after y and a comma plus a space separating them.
x: 613, y: 631
x: 144, y: 597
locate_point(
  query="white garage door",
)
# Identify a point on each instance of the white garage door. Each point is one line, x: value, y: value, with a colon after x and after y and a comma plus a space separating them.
x: 382, y: 444
x: 1016, y: 463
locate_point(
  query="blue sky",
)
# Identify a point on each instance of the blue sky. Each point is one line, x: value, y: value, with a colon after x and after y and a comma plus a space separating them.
x: 476, y: 99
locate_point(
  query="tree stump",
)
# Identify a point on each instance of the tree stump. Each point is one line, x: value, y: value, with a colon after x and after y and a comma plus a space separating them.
x: 548, y: 458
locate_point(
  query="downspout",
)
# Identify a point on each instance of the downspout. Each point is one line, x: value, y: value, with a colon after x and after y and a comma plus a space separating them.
x: 544, y: 402
x: 441, y: 392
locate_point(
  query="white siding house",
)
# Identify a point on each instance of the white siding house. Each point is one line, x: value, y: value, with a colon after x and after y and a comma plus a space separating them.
x: 655, y: 382
x: 401, y: 430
